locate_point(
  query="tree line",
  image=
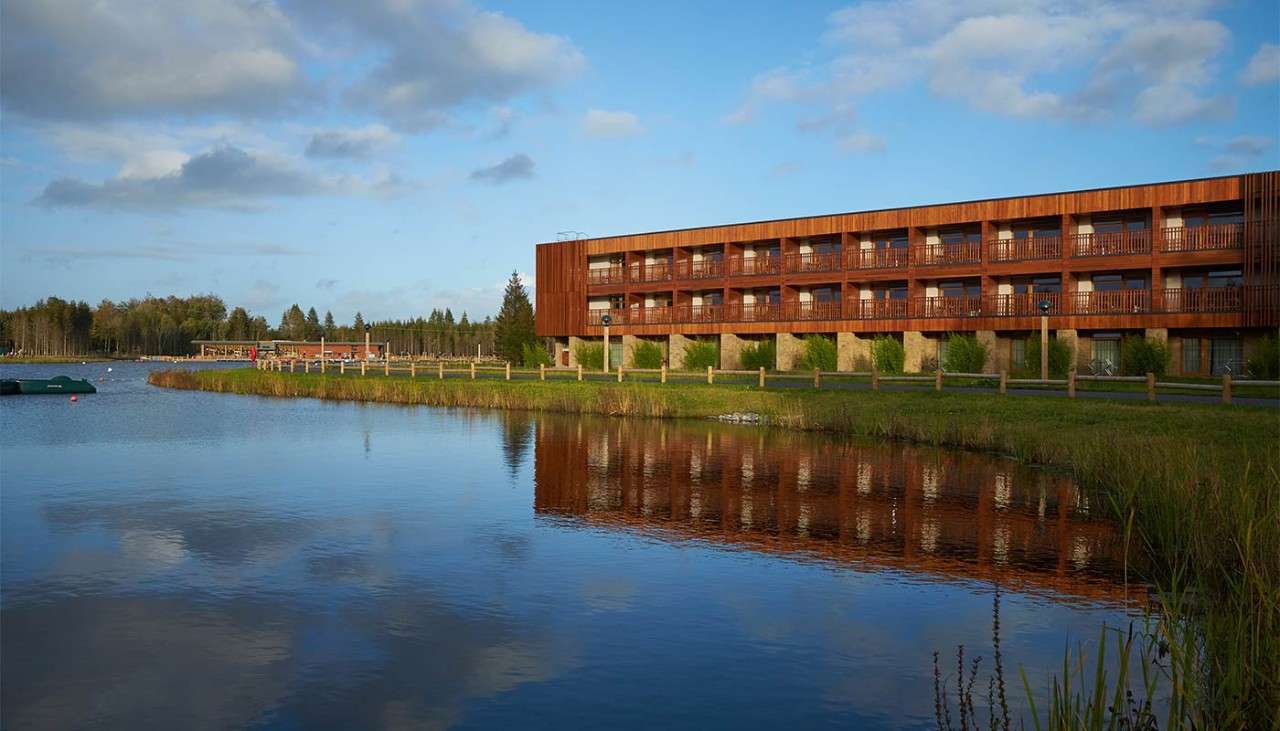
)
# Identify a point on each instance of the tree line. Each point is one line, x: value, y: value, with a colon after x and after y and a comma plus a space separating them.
x: 168, y: 325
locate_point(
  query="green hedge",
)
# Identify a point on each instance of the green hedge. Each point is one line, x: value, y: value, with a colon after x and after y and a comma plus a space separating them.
x: 700, y: 354
x: 646, y: 354
x: 819, y: 354
x: 531, y: 356
x: 1059, y: 357
x: 1265, y: 362
x: 590, y: 355
x: 761, y: 354
x: 965, y: 354
x: 888, y: 354
x: 1139, y: 356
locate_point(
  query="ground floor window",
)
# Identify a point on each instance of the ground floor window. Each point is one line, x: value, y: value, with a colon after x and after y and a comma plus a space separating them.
x: 1018, y: 354
x: 1190, y: 356
x: 1226, y: 355
x: 1106, y: 354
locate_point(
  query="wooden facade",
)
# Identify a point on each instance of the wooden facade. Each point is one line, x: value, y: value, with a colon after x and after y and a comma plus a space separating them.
x: 713, y: 294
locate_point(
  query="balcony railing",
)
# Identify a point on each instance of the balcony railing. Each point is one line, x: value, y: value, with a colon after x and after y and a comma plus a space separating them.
x: 742, y: 266
x: 1203, y: 238
x: 1023, y: 304
x: 1119, y: 243
x: 1224, y: 300
x: 702, y: 269
x: 821, y: 262
x: 1114, y: 302
x: 969, y: 252
x: 659, y: 272
x: 1029, y: 249
x: 606, y: 275
x: 888, y: 258
x: 878, y: 309
x: 947, y: 307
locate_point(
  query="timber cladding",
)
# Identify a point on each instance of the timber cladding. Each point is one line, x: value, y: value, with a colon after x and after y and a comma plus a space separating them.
x: 1001, y: 209
x: 560, y: 288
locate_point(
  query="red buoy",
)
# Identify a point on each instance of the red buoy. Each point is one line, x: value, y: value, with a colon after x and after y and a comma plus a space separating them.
x: 74, y: 399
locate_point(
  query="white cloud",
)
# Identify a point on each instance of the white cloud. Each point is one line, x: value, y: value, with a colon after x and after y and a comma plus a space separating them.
x: 862, y: 143
x: 361, y: 142
x: 1236, y: 153
x: 1068, y: 59
x: 517, y: 167
x: 605, y: 123
x: 1264, y: 67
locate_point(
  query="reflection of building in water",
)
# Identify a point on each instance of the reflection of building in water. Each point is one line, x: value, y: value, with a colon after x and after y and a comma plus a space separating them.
x: 949, y: 514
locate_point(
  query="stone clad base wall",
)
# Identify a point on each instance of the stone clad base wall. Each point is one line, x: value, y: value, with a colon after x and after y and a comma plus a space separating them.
x: 853, y: 352
x: 731, y: 351
x: 917, y: 348
x: 676, y: 344
x: 790, y: 350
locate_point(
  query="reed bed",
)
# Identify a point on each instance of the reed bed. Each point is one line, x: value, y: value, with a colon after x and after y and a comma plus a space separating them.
x: 1197, y: 487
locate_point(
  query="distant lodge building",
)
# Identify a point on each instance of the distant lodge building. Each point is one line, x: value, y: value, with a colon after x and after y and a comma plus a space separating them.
x: 286, y: 349
x: 1194, y: 263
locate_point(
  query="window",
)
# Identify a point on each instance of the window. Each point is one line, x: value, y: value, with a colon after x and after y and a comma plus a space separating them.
x: 1192, y: 281
x: 960, y: 236
x: 826, y: 294
x: 1114, y: 223
x: 712, y: 298
x: 1225, y: 278
x: 1018, y: 353
x: 897, y: 293
x: 1038, y: 285
x: 1196, y: 217
x: 826, y: 247
x: 1106, y: 352
x: 714, y: 255
x: 1116, y: 282
x: 1226, y: 356
x: 959, y: 289
x: 773, y: 296
x: 890, y: 241
x: 615, y: 302
x: 1037, y: 229
x: 1190, y: 356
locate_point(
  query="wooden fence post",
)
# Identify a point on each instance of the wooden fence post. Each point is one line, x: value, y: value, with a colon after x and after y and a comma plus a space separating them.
x: 508, y: 370
x: 761, y: 376
x: 342, y: 367
x: 710, y: 375
x: 306, y: 366
x: 440, y: 365
x: 579, y: 371
x: 662, y: 373
x: 619, y: 374
x: 817, y: 378
x: 1004, y: 382
x: 1226, y: 388
x: 322, y: 362
x: 291, y: 362
x: 937, y: 380
x: 1071, y: 383
x: 363, y: 365
x: 1151, y: 386
x: 473, y: 370
x: 386, y: 366
x: 413, y: 369
x: 875, y: 377
x: 542, y: 371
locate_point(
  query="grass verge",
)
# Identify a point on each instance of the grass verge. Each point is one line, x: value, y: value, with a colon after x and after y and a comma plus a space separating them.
x: 1197, y: 485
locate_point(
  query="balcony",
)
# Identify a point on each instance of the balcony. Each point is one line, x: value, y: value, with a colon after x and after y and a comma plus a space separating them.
x: 969, y: 252
x: 888, y: 258
x: 754, y: 312
x: 1212, y: 300
x: 606, y: 275
x: 702, y: 269
x: 659, y: 272
x: 1115, y: 302
x: 947, y: 307
x: 878, y: 309
x: 1202, y: 238
x: 815, y: 310
x: 1025, y: 304
x: 745, y: 266
x: 1119, y: 243
x: 1029, y: 249
x: 822, y: 262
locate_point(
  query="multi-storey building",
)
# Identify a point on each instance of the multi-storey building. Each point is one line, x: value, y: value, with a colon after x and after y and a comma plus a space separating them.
x: 1194, y: 262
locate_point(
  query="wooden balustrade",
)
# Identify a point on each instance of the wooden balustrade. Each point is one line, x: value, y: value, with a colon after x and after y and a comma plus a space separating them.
x: 1213, y: 299
x: 815, y: 310
x: 659, y: 272
x: 946, y: 307
x: 878, y: 309
x: 741, y: 266
x: 606, y: 275
x: 968, y: 252
x: 1028, y: 249
x: 1113, y: 302
x: 1202, y: 238
x: 1119, y: 243
x: 813, y: 262
x: 888, y: 258
x: 702, y: 269
x: 1024, y: 304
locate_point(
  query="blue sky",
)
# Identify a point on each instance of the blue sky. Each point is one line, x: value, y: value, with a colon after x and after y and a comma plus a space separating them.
x: 392, y: 156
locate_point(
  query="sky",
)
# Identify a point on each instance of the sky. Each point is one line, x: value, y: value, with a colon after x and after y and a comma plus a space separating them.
x: 393, y: 156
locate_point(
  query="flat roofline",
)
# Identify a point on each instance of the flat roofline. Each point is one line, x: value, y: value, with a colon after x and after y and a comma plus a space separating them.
x: 284, y: 342
x: 906, y: 208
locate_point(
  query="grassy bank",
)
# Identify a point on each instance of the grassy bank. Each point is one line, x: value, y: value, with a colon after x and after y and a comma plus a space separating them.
x: 15, y: 360
x: 1198, y: 485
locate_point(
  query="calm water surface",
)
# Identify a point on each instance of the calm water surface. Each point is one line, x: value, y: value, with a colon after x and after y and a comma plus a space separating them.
x: 189, y: 560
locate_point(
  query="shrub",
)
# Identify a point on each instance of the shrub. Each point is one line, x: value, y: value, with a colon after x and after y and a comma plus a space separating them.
x: 1265, y: 361
x: 646, y: 354
x: 700, y: 354
x: 761, y: 354
x: 532, y: 356
x: 590, y: 355
x: 888, y: 354
x: 965, y: 354
x: 1144, y: 355
x: 819, y: 354
x: 1059, y: 357
x: 928, y: 364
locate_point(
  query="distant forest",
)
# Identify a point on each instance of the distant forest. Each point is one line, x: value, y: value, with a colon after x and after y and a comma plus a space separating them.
x: 167, y: 325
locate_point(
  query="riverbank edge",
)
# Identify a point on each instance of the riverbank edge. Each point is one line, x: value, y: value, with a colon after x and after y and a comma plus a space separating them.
x: 1197, y: 485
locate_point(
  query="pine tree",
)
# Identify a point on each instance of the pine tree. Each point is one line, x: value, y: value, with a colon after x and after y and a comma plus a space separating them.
x: 329, y: 326
x: 313, y: 324
x: 513, y: 328
x: 358, y: 325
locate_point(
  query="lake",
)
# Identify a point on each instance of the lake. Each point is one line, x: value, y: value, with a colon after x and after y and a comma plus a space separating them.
x: 189, y: 560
